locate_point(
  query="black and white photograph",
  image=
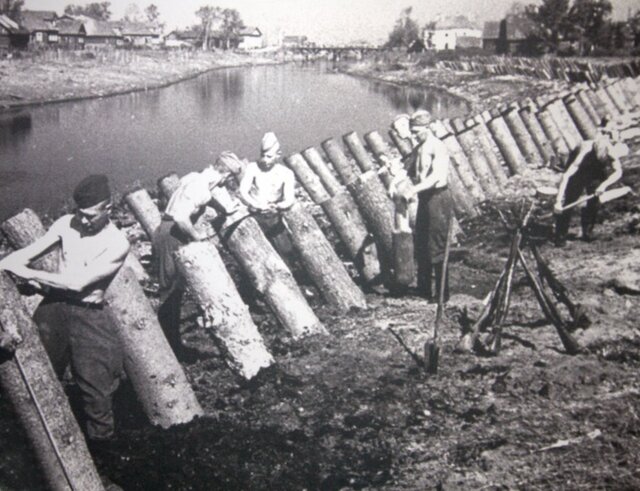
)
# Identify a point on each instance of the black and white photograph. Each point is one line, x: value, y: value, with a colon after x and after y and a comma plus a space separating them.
x: 319, y: 245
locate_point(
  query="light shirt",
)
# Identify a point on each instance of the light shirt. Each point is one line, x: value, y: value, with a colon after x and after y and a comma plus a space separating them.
x: 191, y: 196
x: 432, y: 160
x: 77, y: 252
x: 267, y: 187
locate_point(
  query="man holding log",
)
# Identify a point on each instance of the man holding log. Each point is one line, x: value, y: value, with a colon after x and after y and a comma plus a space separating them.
x: 267, y: 187
x: 593, y: 169
x: 187, y: 203
x: 73, y: 325
x: 429, y: 174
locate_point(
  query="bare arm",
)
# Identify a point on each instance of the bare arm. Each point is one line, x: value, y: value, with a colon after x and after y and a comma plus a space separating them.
x: 573, y: 168
x: 184, y: 224
x: 245, y: 188
x: 22, y: 257
x: 288, y: 192
x: 613, y: 177
x: 438, y: 161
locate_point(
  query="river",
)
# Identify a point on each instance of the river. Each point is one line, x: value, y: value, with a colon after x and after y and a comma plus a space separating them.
x: 136, y: 138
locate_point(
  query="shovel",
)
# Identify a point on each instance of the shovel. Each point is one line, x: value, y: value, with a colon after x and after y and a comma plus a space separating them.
x: 431, y: 348
x: 605, y: 197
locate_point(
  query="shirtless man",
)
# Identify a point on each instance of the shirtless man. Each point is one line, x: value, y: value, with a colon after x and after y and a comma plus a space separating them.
x: 267, y: 188
x: 72, y: 323
x: 185, y: 206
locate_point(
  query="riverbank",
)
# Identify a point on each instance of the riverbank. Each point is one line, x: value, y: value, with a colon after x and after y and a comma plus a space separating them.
x: 481, y: 92
x: 63, y: 76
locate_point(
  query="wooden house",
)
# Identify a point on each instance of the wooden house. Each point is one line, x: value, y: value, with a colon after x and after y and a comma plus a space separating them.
x: 99, y: 33
x: 509, y: 36
x: 71, y: 33
x: 138, y: 34
x: 41, y: 27
x: 12, y: 35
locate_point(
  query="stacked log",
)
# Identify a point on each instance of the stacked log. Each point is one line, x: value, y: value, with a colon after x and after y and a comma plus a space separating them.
x: 145, y: 210
x: 527, y: 114
x: 506, y: 143
x: 491, y: 150
x: 580, y: 117
x: 552, y: 131
x: 521, y: 135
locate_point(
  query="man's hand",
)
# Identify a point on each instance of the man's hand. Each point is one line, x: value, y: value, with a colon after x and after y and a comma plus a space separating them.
x: 199, y: 236
x: 557, y: 208
x: 19, y: 270
x: 9, y: 341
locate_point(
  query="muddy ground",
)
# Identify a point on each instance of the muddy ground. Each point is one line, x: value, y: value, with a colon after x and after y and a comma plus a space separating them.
x: 354, y: 411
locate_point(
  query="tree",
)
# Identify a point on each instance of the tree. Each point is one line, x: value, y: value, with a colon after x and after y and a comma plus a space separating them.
x: 152, y: 13
x: 231, y: 26
x: 208, y: 15
x: 550, y: 19
x: 133, y: 14
x: 588, y: 18
x: 405, y: 31
x: 96, y: 10
x: 11, y: 8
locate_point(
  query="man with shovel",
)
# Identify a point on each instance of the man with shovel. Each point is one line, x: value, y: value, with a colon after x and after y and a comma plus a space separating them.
x: 593, y: 169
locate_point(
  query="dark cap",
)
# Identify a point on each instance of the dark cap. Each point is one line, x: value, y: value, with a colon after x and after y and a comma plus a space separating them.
x: 92, y: 190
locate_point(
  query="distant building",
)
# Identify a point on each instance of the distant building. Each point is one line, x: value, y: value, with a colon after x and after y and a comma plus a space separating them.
x: 450, y: 33
x: 508, y: 36
x: 99, y: 33
x: 137, y: 34
x: 40, y: 24
x: 12, y: 35
x: 185, y: 38
x: 250, y: 38
x: 294, y: 41
x: 71, y: 33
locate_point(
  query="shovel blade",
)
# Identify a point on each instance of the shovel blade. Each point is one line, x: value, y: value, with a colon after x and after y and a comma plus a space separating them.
x: 431, y: 357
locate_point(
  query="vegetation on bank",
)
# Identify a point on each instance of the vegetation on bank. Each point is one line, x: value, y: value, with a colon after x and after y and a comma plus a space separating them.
x: 65, y: 75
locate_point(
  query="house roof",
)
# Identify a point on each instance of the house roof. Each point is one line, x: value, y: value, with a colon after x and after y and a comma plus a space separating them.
x: 70, y: 27
x: 38, y: 20
x: 456, y: 22
x: 136, y: 29
x: 491, y: 30
x: 187, y: 34
x: 97, y: 28
x: 10, y: 25
x: 250, y: 31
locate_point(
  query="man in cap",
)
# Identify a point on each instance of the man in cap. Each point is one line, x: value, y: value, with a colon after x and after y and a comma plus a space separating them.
x: 593, y: 168
x: 73, y: 325
x: 268, y: 187
x: 429, y: 174
x: 187, y: 203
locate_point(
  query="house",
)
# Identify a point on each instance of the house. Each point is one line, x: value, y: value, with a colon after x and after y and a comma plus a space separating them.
x: 99, y: 33
x: 183, y: 39
x: 294, y: 41
x: 137, y: 34
x: 510, y: 35
x: 250, y: 38
x: 12, y: 36
x: 71, y: 33
x: 449, y: 33
x: 40, y: 24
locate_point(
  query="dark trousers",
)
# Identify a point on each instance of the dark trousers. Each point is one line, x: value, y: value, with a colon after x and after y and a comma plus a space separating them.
x: 87, y: 339
x: 435, y: 211
x: 166, y: 240
x: 589, y: 214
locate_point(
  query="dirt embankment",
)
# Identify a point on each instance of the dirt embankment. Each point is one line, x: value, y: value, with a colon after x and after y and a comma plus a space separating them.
x: 59, y: 76
x: 482, y: 92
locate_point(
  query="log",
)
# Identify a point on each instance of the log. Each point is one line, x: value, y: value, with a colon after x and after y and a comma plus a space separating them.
x: 507, y: 145
x: 553, y: 134
x: 522, y: 136
x: 345, y: 218
x: 403, y: 145
x: 580, y: 117
x: 156, y: 375
x: 467, y: 139
x: 380, y: 149
x: 606, y: 101
x: 588, y: 106
x: 346, y: 169
x: 266, y: 270
x: 320, y: 167
x: 359, y: 153
x: 527, y: 114
x: 375, y: 206
x: 229, y: 318
x: 491, y: 151
x: 168, y: 184
x: 145, y: 210
x: 403, y: 261
x: 565, y: 123
x: 615, y: 97
x: 597, y: 103
x: 459, y: 161
x: 30, y: 383
x: 321, y: 262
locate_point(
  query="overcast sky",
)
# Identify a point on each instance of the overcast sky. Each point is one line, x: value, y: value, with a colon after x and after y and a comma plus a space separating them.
x: 323, y: 21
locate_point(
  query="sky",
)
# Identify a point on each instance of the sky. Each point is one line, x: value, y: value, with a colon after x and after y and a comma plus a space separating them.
x: 322, y: 21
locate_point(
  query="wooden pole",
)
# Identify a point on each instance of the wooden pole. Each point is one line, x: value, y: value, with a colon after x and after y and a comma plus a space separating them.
x: 527, y: 114
x: 379, y: 148
x: 553, y: 133
x: 229, y: 318
x: 580, y: 117
x: 266, y: 270
x: 565, y: 123
x: 30, y: 383
x: 582, y: 96
x: 368, y: 193
x: 404, y: 146
x: 168, y: 184
x: 344, y: 216
x: 321, y: 262
x: 606, y: 101
x: 507, y: 145
x: 491, y: 151
x: 156, y: 375
x: 522, y: 136
x: 321, y: 168
x: 467, y: 139
x: 359, y: 153
x: 145, y: 210
x: 615, y: 97
x: 597, y: 103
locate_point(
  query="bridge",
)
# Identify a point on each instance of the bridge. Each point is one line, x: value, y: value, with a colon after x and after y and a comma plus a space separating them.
x: 334, y: 52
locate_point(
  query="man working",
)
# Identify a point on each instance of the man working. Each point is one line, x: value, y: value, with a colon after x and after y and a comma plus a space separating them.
x: 592, y: 170
x: 71, y: 320
x: 186, y: 205
x: 435, y: 204
x: 268, y: 187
